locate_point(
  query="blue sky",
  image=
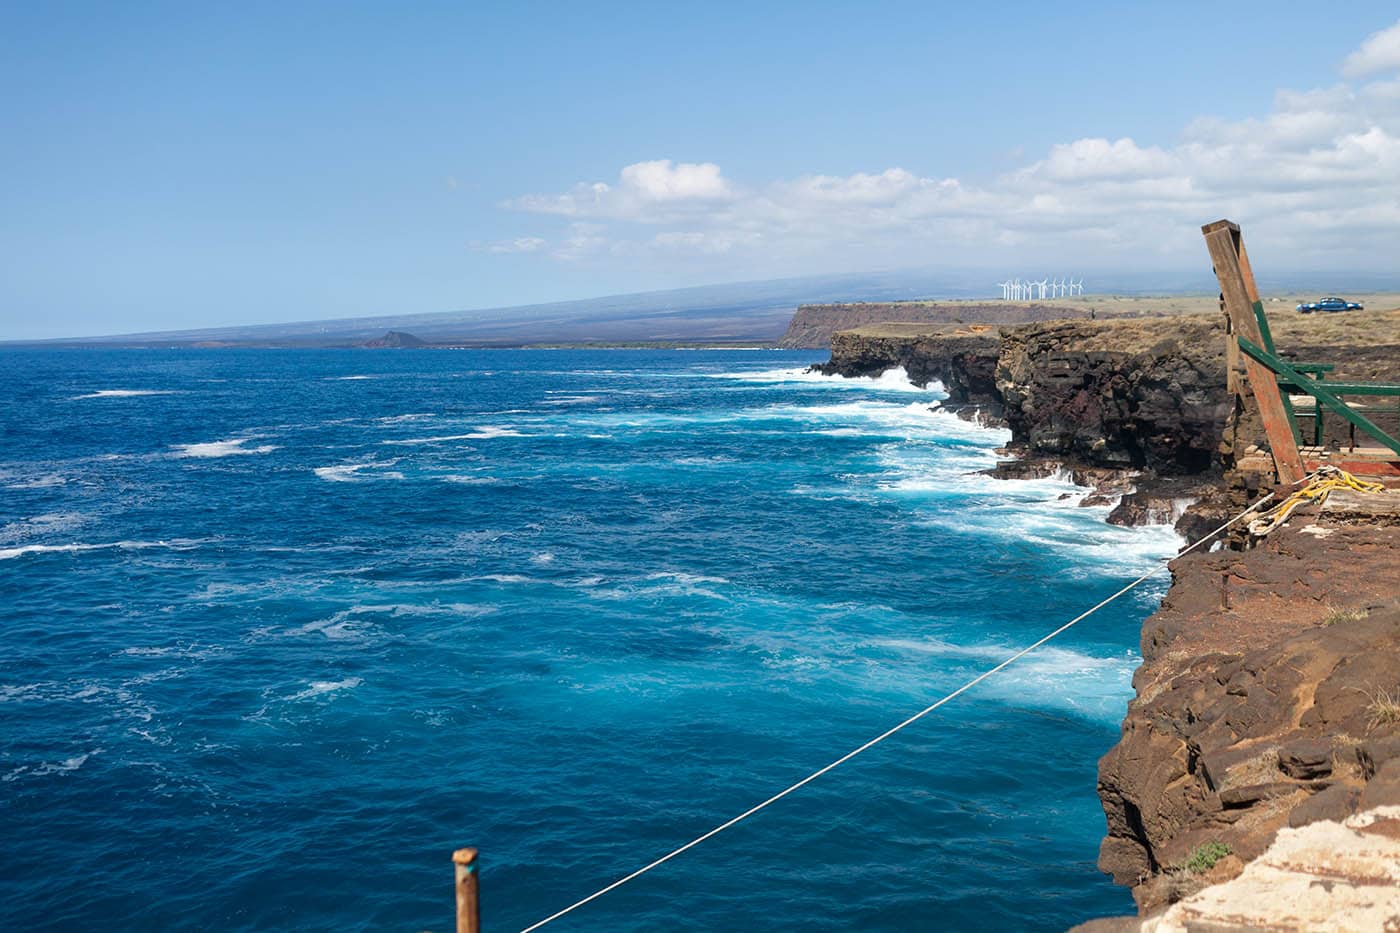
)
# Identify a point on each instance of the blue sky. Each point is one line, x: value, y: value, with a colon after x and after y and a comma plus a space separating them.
x: 181, y: 165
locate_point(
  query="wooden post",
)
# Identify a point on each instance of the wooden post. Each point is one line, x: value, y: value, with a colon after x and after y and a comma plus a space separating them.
x: 468, y: 909
x: 1240, y: 294
x: 1232, y: 356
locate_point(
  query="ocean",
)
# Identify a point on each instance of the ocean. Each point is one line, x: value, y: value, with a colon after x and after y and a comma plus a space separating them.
x: 282, y: 629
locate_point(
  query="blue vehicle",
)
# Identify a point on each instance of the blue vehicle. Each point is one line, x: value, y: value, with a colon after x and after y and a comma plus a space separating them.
x: 1330, y: 303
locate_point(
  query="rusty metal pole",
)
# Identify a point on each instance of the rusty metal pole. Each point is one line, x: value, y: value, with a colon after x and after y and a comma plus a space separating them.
x: 468, y: 909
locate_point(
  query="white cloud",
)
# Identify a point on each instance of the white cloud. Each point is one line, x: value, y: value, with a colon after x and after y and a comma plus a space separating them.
x: 1099, y: 158
x: 661, y: 181
x: 1380, y: 52
x: 642, y: 189
x: 523, y: 244
x: 1307, y: 176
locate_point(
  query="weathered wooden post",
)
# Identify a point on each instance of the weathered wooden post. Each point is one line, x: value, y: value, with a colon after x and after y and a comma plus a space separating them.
x: 1240, y: 295
x: 468, y: 908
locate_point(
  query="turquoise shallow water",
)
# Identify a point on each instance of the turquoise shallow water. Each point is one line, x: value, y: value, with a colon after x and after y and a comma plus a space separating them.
x: 282, y: 629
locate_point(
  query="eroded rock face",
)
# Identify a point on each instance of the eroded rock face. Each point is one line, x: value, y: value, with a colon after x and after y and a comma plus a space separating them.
x: 1260, y: 704
x: 1092, y: 392
x: 963, y: 361
x: 1148, y: 394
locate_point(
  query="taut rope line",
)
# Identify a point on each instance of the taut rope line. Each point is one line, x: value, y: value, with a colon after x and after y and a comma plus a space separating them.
x: 891, y: 731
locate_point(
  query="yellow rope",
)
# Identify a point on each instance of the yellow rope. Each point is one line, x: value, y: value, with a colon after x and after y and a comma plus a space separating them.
x: 1324, y: 481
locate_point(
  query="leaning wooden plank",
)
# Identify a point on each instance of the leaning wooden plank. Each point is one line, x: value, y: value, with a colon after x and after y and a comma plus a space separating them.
x: 1226, y: 253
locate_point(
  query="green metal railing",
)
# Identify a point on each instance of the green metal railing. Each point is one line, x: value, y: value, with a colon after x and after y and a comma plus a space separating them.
x: 1292, y: 377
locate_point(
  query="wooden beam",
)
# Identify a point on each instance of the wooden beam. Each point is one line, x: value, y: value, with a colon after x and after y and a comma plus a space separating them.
x: 1379, y: 468
x: 1238, y: 289
x: 1316, y: 390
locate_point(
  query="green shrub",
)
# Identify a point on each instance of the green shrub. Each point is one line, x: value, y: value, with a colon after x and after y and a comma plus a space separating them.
x: 1204, y: 856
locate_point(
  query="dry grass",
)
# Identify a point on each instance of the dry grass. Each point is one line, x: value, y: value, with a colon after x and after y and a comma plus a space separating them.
x: 1384, y: 709
x: 1134, y: 325
x: 1337, y: 616
x: 1260, y: 769
x: 1182, y: 883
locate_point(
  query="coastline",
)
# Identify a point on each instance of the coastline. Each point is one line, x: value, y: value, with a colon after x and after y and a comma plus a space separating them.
x: 1265, y: 710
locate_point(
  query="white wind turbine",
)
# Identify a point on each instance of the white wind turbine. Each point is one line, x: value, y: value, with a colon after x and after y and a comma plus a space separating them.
x: 1005, y: 289
x: 1042, y: 285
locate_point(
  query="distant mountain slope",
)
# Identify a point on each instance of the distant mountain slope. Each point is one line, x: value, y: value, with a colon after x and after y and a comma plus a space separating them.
x: 744, y: 311
x: 394, y: 339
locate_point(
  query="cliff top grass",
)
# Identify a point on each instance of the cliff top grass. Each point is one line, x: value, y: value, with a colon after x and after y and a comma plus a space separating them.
x: 1130, y: 305
x: 916, y: 329
x: 1377, y: 326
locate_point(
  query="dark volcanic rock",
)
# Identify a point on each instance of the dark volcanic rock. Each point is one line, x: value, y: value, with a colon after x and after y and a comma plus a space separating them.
x: 1147, y: 394
x: 963, y: 360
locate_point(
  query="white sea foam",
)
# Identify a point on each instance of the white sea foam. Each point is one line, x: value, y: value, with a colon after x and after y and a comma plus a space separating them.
x: 464, y: 480
x: 360, y: 472
x: 572, y: 400
x: 43, y: 481
x: 78, y: 547
x: 125, y: 393
x: 47, y: 523
x: 682, y: 577
x: 227, y: 448
x: 891, y: 380
x: 665, y: 584
x: 704, y: 461
x: 51, y: 767
x: 321, y: 687
x: 488, y: 431
x: 1092, y: 685
x: 504, y: 578
x: 361, y: 623
x: 348, y: 378
x: 437, y: 439
x: 167, y: 651
x: 400, y: 419
x: 914, y: 420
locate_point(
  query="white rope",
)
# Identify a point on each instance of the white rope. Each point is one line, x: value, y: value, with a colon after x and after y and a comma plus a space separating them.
x: 891, y: 731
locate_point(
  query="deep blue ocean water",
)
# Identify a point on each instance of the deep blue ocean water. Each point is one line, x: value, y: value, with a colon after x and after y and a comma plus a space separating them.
x: 283, y: 629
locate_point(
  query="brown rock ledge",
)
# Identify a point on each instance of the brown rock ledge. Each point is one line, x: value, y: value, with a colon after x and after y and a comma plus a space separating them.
x: 1266, y: 699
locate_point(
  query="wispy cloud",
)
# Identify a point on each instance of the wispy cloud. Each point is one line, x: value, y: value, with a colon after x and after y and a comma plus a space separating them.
x: 1320, y: 171
x: 644, y: 191
x: 521, y: 244
x: 1380, y: 52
